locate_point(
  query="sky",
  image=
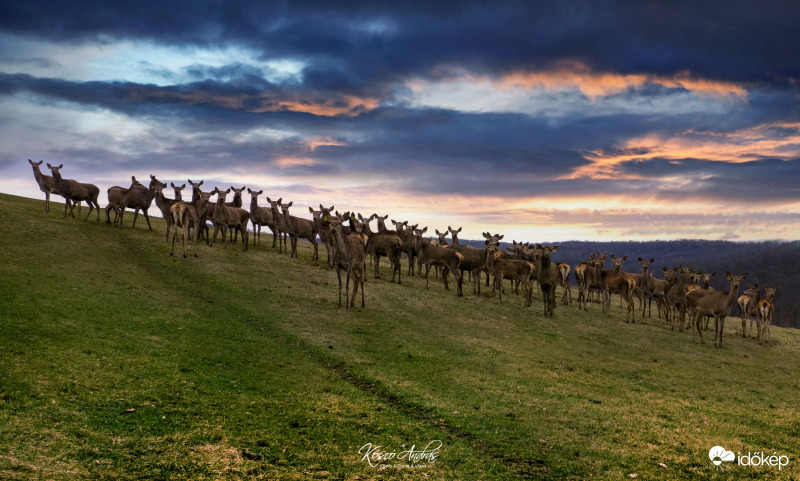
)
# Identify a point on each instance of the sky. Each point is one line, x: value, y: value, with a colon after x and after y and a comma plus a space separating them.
x: 542, y: 121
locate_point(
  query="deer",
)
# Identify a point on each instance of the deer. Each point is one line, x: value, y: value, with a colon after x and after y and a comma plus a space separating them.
x: 660, y: 287
x: 615, y: 281
x: 676, y: 296
x: 454, y: 233
x: 348, y: 256
x: 646, y: 284
x: 436, y: 255
x: 139, y: 199
x: 406, y: 234
x: 185, y: 217
x: 748, y: 307
x: 298, y: 228
x: 260, y: 216
x: 701, y: 302
x: 474, y: 261
x: 225, y: 216
x: 115, y: 196
x: 509, y: 268
x: 235, y: 202
x: 766, y: 309
x: 177, y: 190
x: 164, y: 205
x: 47, y: 185
x: 563, y: 269
x: 280, y: 224
x: 548, y: 276
x: 387, y: 245
x: 73, y: 191
x: 324, y: 232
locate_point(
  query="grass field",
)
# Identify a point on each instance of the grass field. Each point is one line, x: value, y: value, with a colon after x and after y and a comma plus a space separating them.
x: 118, y: 362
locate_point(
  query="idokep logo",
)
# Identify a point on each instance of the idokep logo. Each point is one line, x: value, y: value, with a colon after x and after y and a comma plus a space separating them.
x: 719, y: 455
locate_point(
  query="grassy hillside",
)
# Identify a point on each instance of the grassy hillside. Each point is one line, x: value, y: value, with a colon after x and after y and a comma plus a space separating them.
x: 119, y: 363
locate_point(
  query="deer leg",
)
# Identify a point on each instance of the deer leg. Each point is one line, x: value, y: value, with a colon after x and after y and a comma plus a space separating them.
x: 339, y: 275
x: 147, y: 218
x: 427, y: 274
x: 347, y: 289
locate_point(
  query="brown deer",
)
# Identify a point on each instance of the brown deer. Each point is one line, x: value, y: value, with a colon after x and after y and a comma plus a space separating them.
x: 701, y: 302
x: 73, y: 191
x: 280, y: 224
x: 563, y: 269
x: 386, y: 244
x: 115, y: 196
x: 185, y: 217
x: 163, y: 204
x: 766, y: 309
x: 235, y: 202
x: 748, y: 307
x: 548, y: 276
x: 225, y: 216
x: 323, y: 231
x: 615, y: 281
x: 406, y: 234
x: 435, y: 255
x: 517, y: 270
x: 47, y: 185
x: 139, y: 199
x: 177, y: 190
x: 298, y: 228
x: 348, y: 256
x: 676, y: 296
x: 260, y: 216
x: 646, y: 284
x: 474, y: 261
x: 454, y: 233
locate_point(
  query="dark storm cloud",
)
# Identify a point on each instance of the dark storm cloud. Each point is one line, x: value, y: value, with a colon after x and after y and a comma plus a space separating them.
x: 364, y: 47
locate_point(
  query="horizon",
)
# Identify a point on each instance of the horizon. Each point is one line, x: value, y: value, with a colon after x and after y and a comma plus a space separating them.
x: 601, y: 122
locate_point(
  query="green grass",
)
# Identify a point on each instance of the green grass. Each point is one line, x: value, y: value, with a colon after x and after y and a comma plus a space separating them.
x: 119, y: 363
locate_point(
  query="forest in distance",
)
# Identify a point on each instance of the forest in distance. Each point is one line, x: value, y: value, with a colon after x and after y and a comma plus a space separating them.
x: 771, y: 263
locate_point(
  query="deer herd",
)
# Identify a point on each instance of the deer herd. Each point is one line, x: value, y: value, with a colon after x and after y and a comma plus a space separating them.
x: 682, y: 296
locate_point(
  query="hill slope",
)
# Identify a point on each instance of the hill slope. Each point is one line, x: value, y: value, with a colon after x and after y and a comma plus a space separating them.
x: 120, y: 363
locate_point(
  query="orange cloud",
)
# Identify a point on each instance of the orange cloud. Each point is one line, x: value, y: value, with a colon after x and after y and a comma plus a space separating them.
x: 745, y: 145
x: 602, y: 84
x: 339, y: 105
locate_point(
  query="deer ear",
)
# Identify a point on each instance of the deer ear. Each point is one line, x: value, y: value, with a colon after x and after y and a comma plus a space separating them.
x: 714, y: 274
x: 310, y: 209
x: 459, y: 229
x: 728, y: 275
x: 326, y: 218
x: 652, y: 259
x: 60, y: 166
x: 744, y: 276
x: 290, y: 204
x: 555, y: 248
x: 424, y: 230
x: 152, y: 177
x: 500, y: 237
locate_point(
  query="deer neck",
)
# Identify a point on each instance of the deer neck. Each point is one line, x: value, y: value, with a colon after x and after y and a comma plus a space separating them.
x: 39, y: 176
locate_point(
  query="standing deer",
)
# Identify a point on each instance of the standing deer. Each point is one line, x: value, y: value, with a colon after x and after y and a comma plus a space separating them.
x: 646, y: 285
x: 386, y: 244
x: 766, y: 309
x: 185, y: 217
x: 260, y: 216
x: 280, y: 224
x: 324, y: 232
x: 676, y: 296
x: 298, y: 228
x: 748, y: 307
x: 615, y: 281
x: 116, y: 194
x: 517, y: 270
x: 164, y: 205
x: 139, y: 199
x: 435, y: 255
x: 474, y: 261
x: 46, y: 185
x: 701, y: 302
x: 225, y: 216
x: 549, y: 277
x: 73, y: 191
x: 406, y: 234
x: 235, y: 202
x: 348, y: 256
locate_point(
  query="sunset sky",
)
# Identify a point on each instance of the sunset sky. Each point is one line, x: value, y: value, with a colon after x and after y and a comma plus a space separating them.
x: 543, y: 121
